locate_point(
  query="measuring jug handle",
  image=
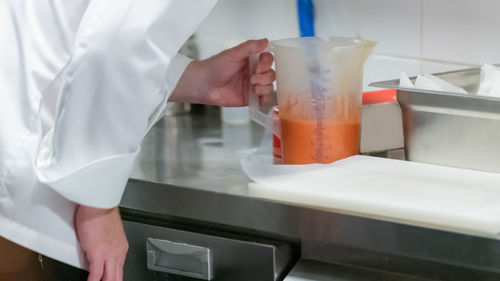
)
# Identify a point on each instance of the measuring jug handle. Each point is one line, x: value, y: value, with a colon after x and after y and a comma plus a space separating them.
x: 265, y: 120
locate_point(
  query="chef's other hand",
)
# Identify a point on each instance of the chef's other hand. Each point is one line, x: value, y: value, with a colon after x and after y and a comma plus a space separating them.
x: 102, y: 238
x: 224, y: 79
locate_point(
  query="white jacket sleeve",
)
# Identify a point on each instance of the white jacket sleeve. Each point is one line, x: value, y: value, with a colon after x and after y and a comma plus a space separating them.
x: 112, y: 90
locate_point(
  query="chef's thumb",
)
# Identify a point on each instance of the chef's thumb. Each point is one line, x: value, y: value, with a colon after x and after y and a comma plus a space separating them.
x: 245, y: 49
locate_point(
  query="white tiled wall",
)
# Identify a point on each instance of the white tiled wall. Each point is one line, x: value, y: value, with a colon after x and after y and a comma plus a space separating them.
x: 234, y: 21
x: 252, y: 19
x: 413, y: 35
x: 461, y: 30
x: 380, y: 20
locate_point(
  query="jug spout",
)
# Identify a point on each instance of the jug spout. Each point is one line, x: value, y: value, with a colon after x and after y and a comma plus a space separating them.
x: 361, y: 48
x: 350, y: 53
x: 368, y: 47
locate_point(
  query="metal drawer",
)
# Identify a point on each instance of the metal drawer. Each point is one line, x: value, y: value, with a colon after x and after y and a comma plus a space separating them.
x: 158, y: 253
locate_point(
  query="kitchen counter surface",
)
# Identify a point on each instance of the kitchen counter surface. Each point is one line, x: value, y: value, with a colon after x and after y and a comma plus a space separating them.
x: 197, y: 151
x: 188, y: 175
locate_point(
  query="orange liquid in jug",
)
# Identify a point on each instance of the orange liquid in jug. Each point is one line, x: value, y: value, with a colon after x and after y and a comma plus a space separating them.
x: 300, y: 144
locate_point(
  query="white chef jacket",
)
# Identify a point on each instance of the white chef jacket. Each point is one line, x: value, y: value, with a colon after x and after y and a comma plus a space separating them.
x: 81, y: 82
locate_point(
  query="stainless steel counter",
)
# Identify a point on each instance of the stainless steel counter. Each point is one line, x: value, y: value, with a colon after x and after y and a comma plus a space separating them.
x: 197, y: 151
x: 188, y: 177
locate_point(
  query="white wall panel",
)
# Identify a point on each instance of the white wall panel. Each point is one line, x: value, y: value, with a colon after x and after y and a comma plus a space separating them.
x: 395, y: 24
x: 462, y: 30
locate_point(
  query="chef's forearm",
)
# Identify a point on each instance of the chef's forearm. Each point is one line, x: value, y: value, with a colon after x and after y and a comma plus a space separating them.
x: 191, y: 86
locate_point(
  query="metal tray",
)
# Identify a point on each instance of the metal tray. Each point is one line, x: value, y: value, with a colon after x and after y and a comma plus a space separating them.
x: 459, y: 130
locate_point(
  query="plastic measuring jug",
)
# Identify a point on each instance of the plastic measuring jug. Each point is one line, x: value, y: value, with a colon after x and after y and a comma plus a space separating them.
x: 319, y: 87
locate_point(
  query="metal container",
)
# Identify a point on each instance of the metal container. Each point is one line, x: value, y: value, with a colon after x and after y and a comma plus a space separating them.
x: 458, y: 130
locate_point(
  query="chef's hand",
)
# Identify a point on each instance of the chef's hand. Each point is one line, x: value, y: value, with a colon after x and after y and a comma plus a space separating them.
x: 224, y: 79
x: 102, y: 238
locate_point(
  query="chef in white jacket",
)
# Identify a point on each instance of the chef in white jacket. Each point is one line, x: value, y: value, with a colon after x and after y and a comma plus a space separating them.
x: 81, y: 82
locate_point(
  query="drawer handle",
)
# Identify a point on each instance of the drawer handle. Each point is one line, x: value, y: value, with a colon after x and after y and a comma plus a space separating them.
x: 180, y: 259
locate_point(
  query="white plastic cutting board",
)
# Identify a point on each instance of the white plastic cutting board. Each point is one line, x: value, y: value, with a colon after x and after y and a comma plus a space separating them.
x: 426, y: 194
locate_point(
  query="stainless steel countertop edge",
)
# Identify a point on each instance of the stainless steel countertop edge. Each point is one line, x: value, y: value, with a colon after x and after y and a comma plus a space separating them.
x: 261, y: 217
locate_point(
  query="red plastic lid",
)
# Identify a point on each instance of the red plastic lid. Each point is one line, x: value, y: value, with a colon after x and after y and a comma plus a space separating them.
x: 382, y: 96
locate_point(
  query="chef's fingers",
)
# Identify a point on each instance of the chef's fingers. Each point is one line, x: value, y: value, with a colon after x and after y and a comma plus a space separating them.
x: 119, y: 268
x: 110, y: 272
x: 120, y: 275
x: 96, y: 269
x: 263, y: 90
x: 245, y: 49
x: 265, y: 78
x: 265, y: 62
x: 264, y: 100
x: 119, y: 272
